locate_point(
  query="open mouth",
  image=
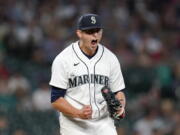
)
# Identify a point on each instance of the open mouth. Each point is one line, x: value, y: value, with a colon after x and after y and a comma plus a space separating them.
x: 93, y: 42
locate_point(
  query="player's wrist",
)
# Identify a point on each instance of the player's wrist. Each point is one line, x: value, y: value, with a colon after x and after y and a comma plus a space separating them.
x: 77, y: 113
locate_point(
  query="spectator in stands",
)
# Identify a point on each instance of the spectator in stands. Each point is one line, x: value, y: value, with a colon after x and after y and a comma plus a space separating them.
x: 146, y: 124
x: 40, y: 98
x: 19, y: 86
x: 19, y: 132
x: 4, y: 130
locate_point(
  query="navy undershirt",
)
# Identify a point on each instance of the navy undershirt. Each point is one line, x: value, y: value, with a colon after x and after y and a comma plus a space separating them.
x: 57, y: 93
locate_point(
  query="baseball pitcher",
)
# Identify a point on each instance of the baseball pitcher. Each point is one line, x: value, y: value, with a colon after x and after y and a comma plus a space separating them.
x: 87, y: 83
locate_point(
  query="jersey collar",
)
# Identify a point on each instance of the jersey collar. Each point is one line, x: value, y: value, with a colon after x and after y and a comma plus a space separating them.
x: 84, y: 57
x: 88, y: 56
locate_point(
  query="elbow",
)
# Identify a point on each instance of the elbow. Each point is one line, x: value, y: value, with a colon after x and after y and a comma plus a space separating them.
x: 57, y: 103
x: 54, y: 104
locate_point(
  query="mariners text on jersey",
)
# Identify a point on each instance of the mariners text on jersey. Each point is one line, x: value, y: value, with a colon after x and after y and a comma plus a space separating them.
x: 84, y: 79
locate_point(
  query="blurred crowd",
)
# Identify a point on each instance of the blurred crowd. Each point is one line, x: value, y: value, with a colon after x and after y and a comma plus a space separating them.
x: 144, y: 34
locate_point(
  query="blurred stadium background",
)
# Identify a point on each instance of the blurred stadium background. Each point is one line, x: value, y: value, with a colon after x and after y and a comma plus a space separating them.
x: 144, y: 34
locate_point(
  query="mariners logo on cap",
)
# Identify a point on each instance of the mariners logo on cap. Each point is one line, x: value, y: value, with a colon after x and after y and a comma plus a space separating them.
x: 93, y: 20
x: 89, y: 21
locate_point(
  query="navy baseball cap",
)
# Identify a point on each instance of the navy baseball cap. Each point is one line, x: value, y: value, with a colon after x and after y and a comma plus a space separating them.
x: 89, y: 21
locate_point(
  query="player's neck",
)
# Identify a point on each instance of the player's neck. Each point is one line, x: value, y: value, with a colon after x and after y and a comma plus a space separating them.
x: 86, y: 50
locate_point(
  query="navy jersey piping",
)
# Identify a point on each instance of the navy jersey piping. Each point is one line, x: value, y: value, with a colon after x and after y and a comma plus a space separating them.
x: 87, y: 71
x: 94, y: 83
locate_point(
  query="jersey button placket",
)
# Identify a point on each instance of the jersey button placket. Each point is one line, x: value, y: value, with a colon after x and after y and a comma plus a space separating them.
x: 93, y: 88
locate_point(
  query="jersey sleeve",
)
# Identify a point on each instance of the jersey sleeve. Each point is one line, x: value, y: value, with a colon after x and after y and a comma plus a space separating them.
x: 116, y: 77
x: 59, y: 74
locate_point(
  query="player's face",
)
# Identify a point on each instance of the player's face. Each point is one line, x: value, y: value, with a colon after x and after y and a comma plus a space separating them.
x: 89, y: 39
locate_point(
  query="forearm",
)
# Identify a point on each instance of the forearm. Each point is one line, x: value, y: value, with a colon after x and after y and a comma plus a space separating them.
x: 66, y: 108
x: 121, y: 97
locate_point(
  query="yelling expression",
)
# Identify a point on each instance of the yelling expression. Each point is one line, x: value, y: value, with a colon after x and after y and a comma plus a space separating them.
x: 89, y: 39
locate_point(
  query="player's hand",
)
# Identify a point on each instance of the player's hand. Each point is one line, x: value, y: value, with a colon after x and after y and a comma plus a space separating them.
x: 85, y: 112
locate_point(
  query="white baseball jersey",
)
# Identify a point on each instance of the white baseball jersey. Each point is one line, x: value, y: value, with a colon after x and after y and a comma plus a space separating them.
x: 83, y: 78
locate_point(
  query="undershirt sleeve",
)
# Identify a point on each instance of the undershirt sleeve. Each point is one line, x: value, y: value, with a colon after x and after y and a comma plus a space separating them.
x: 57, y: 93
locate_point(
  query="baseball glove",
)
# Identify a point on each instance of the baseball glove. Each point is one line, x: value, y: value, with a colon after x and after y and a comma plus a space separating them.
x: 112, y: 103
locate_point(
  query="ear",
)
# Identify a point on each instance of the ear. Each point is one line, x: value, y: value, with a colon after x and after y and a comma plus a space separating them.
x: 79, y: 33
